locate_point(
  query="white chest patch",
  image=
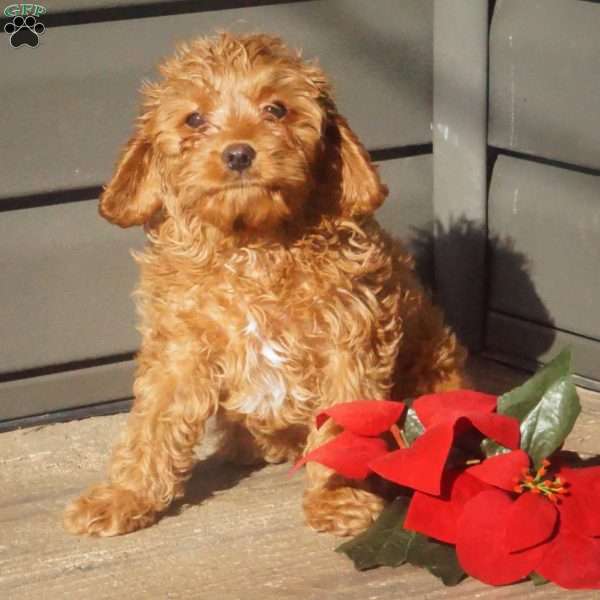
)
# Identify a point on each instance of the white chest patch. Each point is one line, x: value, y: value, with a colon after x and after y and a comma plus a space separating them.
x: 265, y: 389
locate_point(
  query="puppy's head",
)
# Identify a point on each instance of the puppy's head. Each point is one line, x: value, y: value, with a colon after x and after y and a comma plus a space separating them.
x: 242, y: 134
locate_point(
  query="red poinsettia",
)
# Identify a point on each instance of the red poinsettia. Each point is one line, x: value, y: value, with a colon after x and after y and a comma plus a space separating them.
x: 507, y: 522
x: 445, y: 416
x: 351, y: 452
x: 358, y: 450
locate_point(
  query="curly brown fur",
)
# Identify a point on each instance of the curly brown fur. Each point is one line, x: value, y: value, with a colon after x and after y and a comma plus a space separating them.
x: 266, y: 294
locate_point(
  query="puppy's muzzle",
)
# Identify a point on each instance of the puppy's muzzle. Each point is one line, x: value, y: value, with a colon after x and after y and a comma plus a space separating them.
x: 238, y: 157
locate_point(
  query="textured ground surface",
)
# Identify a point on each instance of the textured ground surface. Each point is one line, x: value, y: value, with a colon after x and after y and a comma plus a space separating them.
x: 239, y: 534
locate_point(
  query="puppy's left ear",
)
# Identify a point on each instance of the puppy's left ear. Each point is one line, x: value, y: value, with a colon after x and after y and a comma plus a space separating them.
x: 359, y: 189
x: 132, y: 195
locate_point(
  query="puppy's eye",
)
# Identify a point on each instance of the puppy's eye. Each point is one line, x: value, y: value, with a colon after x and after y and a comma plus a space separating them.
x: 194, y: 120
x: 277, y: 110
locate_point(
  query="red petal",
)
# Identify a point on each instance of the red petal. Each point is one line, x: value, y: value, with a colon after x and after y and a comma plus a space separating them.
x: 572, y: 561
x: 481, y: 541
x: 347, y: 454
x: 437, y: 517
x: 502, y: 469
x: 579, y: 509
x: 364, y: 417
x: 477, y: 408
x: 500, y: 428
x: 434, y: 408
x: 419, y: 467
x: 531, y: 521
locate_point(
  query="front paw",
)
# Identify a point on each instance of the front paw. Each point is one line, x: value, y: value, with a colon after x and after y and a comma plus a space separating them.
x: 342, y: 511
x: 106, y: 510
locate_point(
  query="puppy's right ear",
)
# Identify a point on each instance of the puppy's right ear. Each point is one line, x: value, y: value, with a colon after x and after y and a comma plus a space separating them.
x: 133, y: 194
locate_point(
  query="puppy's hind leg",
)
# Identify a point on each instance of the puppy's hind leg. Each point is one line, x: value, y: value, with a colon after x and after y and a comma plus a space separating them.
x: 332, y: 503
x: 151, y: 464
x: 237, y: 445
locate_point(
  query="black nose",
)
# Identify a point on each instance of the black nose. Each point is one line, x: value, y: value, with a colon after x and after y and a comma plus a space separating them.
x: 238, y: 157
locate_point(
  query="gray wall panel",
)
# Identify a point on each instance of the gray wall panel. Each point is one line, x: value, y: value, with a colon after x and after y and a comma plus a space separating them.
x: 78, y: 5
x: 75, y: 95
x: 71, y: 5
x: 544, y: 83
x: 71, y: 389
x: 408, y: 211
x: 67, y: 275
x: 66, y: 280
x: 545, y: 236
x: 526, y: 344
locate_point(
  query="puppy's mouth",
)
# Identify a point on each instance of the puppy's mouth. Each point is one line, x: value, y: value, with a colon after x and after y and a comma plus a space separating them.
x: 244, y: 185
x: 240, y: 185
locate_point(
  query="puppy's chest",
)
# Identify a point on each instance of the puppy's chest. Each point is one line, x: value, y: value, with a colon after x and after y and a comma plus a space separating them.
x: 276, y: 322
x: 262, y: 385
x: 272, y: 334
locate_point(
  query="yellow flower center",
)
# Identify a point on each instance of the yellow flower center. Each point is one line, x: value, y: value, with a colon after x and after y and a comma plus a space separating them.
x: 538, y: 484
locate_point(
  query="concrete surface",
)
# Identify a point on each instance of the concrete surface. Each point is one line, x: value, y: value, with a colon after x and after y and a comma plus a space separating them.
x: 238, y: 535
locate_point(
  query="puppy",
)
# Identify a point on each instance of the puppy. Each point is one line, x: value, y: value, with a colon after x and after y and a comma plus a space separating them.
x: 267, y: 291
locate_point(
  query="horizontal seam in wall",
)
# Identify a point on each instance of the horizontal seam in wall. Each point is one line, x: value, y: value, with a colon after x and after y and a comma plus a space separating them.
x: 83, y: 194
x: 382, y: 154
x: 547, y: 161
x: 159, y: 9
x: 62, y: 415
x: 542, y: 324
x: 75, y: 365
x: 50, y: 198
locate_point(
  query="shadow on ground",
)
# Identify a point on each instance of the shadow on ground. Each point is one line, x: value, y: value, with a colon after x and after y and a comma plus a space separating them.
x: 209, y: 477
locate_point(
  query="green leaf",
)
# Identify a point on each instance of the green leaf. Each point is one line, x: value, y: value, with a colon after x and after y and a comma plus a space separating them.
x: 438, y: 558
x: 413, y: 427
x: 387, y: 543
x: 394, y: 551
x: 538, y: 579
x: 523, y: 399
x: 385, y: 540
x: 546, y: 427
x: 547, y: 413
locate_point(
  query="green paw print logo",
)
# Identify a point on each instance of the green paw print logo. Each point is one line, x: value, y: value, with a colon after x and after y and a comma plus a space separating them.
x: 24, y: 28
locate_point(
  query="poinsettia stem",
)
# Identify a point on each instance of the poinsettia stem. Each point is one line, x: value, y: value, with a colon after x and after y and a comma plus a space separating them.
x: 398, y: 437
x: 473, y: 461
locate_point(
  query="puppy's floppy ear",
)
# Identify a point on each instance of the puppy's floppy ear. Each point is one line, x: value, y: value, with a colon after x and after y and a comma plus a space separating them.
x: 133, y: 194
x: 349, y: 168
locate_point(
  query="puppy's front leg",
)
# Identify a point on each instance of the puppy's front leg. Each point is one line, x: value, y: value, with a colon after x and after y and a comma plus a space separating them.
x: 151, y: 464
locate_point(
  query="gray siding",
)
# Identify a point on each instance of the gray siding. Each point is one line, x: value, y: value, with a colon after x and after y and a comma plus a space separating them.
x: 544, y: 84
x: 65, y: 390
x: 544, y: 203
x: 527, y: 344
x: 551, y: 219
x: 67, y: 276
x: 77, y: 100
x: 79, y: 5
x: 68, y: 322
x: 408, y: 211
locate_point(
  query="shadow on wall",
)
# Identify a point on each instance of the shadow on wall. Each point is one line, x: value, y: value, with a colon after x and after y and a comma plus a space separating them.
x: 463, y: 238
